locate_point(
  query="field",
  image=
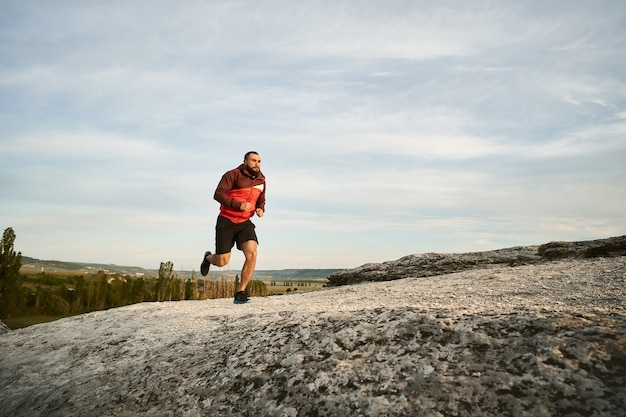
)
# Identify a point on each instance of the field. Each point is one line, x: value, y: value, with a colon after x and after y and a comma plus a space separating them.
x: 279, y: 287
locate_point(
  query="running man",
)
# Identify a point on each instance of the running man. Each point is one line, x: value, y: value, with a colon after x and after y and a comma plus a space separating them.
x: 241, y: 193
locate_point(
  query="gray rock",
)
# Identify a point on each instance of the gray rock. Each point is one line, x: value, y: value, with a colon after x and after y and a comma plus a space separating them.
x: 430, y: 264
x: 614, y: 246
x: 545, y: 339
x: 4, y: 328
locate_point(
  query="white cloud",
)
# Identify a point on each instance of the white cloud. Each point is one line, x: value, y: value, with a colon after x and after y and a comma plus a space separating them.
x: 406, y: 126
x: 80, y: 145
x: 603, y: 138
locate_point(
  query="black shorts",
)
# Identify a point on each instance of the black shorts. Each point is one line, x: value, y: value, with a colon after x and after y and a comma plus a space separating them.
x: 228, y: 233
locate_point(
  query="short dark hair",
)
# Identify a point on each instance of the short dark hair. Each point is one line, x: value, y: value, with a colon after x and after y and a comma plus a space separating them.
x: 249, y: 153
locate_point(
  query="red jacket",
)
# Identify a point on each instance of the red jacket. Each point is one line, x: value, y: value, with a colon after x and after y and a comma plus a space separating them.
x: 238, y: 186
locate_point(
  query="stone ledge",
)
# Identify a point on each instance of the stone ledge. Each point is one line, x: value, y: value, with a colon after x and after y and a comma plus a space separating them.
x: 430, y: 264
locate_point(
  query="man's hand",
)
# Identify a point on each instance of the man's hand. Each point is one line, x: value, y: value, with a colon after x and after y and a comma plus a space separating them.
x: 247, y: 206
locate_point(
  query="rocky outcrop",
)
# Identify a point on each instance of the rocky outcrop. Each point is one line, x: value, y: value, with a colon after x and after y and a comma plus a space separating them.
x: 4, y: 328
x: 545, y: 339
x: 614, y: 246
x: 430, y: 264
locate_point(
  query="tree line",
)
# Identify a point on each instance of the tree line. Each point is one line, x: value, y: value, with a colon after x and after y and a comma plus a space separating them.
x: 57, y: 295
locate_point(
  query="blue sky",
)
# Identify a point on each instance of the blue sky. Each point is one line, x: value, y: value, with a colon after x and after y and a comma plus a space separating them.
x: 384, y: 128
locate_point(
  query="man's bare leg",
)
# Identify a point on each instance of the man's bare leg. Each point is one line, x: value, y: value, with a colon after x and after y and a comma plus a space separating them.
x: 249, y: 249
x: 219, y: 260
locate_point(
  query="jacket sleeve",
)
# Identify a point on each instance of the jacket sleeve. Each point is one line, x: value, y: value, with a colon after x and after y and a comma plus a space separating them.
x: 260, y: 202
x: 226, y: 184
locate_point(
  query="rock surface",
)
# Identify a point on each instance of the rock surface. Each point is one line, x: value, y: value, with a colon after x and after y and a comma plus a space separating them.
x: 545, y: 339
x: 430, y: 264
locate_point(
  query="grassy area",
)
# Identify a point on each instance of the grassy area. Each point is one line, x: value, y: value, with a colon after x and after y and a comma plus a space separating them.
x: 281, y: 287
x: 20, y: 322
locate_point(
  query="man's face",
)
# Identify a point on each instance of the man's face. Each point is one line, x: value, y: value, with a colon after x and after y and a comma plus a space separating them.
x: 253, y: 164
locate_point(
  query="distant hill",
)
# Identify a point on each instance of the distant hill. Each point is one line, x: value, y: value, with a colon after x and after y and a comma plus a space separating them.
x: 38, y: 265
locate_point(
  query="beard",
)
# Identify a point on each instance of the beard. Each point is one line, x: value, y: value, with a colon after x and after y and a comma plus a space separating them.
x: 253, y: 171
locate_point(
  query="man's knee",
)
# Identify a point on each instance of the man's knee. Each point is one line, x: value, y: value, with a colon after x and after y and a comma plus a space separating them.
x: 220, y: 259
x: 250, y: 255
x: 249, y: 250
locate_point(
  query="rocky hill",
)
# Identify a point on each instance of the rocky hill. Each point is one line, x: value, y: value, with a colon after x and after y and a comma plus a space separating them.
x: 431, y: 264
x: 545, y: 338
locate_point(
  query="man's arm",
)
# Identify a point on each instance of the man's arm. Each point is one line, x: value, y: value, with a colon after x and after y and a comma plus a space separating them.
x: 260, y: 202
x: 225, y: 185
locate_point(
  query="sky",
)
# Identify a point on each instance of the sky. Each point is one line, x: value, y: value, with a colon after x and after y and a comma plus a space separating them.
x: 384, y: 128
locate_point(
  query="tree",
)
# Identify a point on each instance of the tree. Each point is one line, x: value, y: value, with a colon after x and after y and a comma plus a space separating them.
x: 139, y: 291
x: 82, y: 296
x: 166, y: 282
x: 10, y: 264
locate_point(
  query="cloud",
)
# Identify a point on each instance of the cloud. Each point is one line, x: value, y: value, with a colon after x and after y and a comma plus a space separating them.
x: 406, y: 126
x: 81, y: 145
x: 592, y: 140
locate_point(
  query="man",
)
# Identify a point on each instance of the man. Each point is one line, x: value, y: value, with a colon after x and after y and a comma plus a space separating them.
x: 241, y: 193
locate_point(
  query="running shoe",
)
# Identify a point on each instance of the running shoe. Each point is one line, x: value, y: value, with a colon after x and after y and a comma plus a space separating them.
x: 204, y: 267
x: 241, y: 297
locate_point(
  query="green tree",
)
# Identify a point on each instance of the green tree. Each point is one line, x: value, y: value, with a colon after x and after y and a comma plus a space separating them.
x: 138, y: 291
x: 257, y: 288
x: 192, y: 287
x: 166, y: 282
x: 82, y: 295
x: 10, y: 264
x: 102, y: 291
